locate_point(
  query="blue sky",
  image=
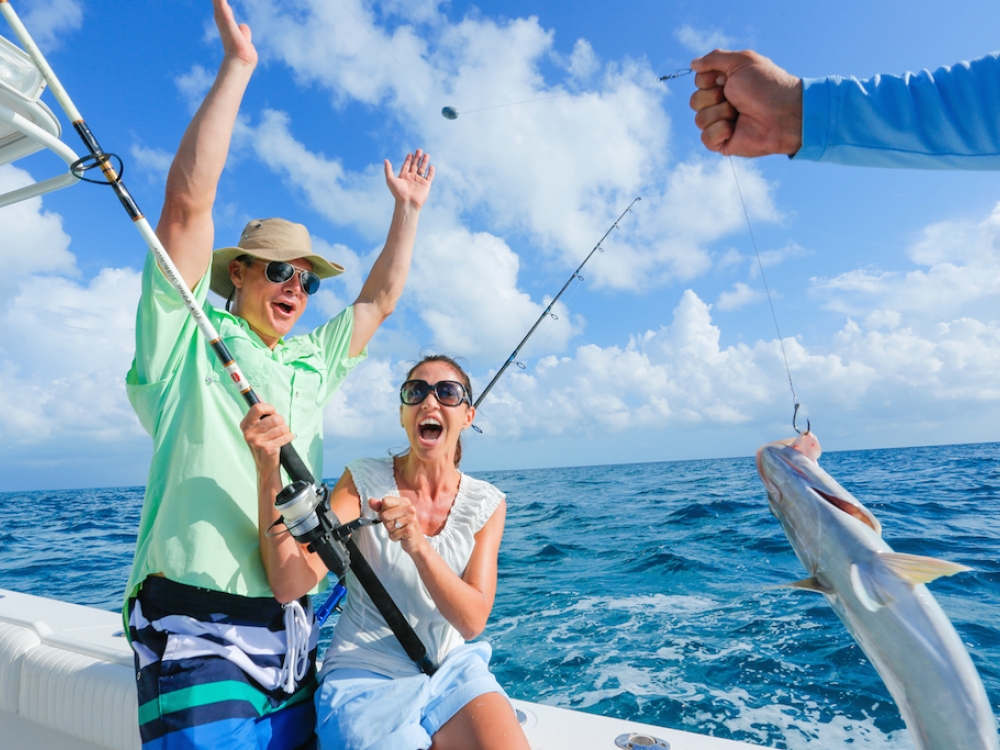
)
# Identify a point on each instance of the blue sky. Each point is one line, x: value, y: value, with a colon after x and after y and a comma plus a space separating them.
x: 884, y: 282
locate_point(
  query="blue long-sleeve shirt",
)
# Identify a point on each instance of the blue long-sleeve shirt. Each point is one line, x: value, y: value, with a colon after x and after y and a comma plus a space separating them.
x: 946, y: 119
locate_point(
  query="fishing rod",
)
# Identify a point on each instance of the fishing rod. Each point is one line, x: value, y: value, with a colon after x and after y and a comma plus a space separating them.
x: 98, y: 158
x: 548, y: 310
x: 310, y: 519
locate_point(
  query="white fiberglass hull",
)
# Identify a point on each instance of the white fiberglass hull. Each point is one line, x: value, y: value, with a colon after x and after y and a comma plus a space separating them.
x: 67, y: 683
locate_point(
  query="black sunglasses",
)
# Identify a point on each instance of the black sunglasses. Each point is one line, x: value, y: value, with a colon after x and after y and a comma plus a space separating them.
x: 279, y: 272
x: 447, y: 392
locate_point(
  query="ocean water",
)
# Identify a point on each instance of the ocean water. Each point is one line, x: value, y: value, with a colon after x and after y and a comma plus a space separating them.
x: 651, y: 591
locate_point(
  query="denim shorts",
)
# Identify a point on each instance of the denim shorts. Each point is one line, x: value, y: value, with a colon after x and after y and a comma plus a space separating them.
x: 361, y: 710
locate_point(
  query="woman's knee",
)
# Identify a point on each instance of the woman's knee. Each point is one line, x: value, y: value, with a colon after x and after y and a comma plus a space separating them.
x: 487, y: 722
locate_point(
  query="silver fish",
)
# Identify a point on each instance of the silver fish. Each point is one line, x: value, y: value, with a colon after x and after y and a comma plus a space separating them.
x: 880, y: 596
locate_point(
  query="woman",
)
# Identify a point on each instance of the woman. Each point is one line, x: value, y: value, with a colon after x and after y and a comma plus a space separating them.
x: 435, y: 551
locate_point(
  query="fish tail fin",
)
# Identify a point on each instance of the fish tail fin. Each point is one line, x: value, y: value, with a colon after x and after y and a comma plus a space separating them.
x: 916, y: 569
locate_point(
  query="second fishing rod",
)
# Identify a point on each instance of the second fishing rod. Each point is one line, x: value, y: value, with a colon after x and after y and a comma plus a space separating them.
x: 548, y: 310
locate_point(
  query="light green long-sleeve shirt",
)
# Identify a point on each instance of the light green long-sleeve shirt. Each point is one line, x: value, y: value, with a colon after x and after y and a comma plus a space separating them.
x: 199, y: 515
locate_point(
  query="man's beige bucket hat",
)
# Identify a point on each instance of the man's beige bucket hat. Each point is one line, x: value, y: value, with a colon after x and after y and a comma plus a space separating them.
x: 269, y: 239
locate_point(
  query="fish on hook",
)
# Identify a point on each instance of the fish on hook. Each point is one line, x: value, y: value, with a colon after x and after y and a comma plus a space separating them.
x: 880, y: 596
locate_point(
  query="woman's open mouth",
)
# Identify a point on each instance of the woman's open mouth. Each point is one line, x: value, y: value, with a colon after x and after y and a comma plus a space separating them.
x: 429, y: 431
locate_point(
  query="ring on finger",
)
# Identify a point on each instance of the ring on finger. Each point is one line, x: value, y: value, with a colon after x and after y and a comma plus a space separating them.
x: 398, y: 525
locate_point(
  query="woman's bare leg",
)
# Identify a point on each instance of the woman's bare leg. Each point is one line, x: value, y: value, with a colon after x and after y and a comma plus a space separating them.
x: 487, y: 722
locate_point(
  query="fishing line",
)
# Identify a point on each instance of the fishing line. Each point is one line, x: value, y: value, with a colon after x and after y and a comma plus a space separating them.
x: 450, y: 113
x: 385, y: 47
x: 548, y: 310
x: 774, y: 315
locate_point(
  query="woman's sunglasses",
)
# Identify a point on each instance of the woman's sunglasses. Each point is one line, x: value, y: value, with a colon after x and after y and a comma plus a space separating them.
x: 447, y: 392
x: 279, y: 272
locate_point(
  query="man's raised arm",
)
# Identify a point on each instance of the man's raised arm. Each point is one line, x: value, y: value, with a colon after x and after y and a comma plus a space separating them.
x: 185, y: 227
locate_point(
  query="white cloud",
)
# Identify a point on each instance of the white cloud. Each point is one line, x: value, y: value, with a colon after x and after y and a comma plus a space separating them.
x: 48, y: 20
x: 367, y: 404
x: 776, y: 257
x: 412, y: 10
x: 514, y: 168
x: 703, y: 41
x: 154, y: 161
x: 960, y: 242
x: 678, y: 375
x: 741, y: 296
x: 64, y: 350
x: 961, y: 276
x: 474, y: 308
x: 358, y: 199
x: 194, y: 85
x: 34, y: 241
x: 583, y: 63
x: 865, y: 380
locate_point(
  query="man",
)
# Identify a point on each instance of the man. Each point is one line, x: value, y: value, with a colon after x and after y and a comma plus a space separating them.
x: 219, y: 662
x: 748, y: 106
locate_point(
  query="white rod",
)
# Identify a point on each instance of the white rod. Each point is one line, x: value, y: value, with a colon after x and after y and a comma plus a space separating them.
x: 156, y: 247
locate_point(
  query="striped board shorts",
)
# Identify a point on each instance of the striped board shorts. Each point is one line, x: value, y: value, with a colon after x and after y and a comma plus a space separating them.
x: 220, y: 671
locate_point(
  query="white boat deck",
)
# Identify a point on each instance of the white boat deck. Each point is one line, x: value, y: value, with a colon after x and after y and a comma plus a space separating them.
x: 67, y: 683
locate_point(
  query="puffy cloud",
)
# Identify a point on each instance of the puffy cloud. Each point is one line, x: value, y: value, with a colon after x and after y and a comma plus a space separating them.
x: 49, y: 20
x: 775, y: 257
x: 741, y: 296
x: 367, y: 404
x: 701, y: 41
x: 476, y: 309
x: 961, y: 276
x: 677, y: 375
x: 194, y: 85
x: 680, y: 375
x: 154, y: 161
x: 346, y: 198
x: 64, y: 350
x: 34, y: 241
x: 517, y: 168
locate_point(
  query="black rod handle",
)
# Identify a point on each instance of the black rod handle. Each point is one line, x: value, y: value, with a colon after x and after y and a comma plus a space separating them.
x: 295, y: 466
x: 398, y: 624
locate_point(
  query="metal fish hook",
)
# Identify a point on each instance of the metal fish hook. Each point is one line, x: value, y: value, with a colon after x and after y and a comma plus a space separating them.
x: 796, y: 414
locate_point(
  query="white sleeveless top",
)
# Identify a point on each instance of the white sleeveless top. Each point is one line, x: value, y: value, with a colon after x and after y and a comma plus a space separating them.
x: 361, y: 639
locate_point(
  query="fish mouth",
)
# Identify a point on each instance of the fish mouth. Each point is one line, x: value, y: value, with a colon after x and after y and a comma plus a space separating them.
x: 849, y: 508
x: 774, y: 458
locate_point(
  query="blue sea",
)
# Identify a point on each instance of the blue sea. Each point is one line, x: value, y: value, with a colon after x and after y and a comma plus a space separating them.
x: 651, y: 591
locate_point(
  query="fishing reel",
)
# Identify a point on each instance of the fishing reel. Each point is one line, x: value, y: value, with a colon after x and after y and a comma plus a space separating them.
x: 305, y: 511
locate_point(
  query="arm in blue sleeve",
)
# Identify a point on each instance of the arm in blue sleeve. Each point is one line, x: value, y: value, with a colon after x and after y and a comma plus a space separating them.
x: 948, y: 119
